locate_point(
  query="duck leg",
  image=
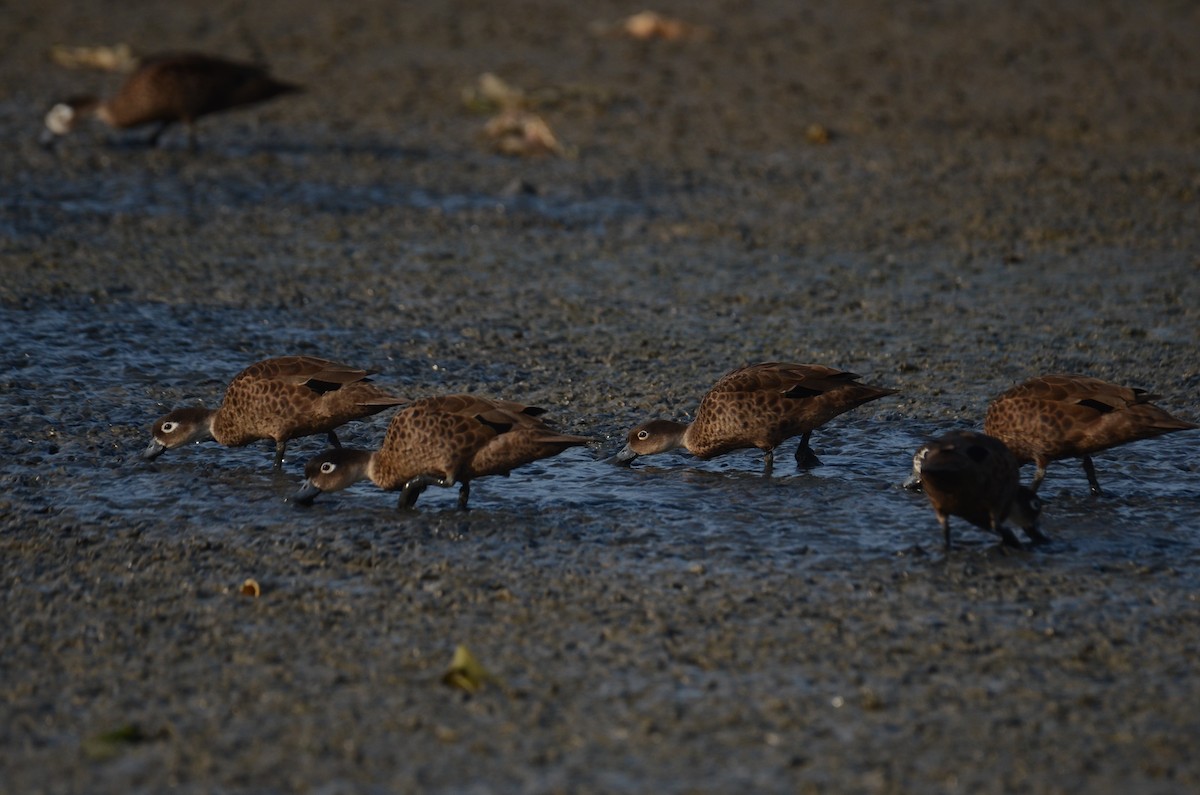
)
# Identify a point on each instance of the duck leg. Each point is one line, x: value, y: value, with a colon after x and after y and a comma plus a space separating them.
x: 1007, y: 537
x: 944, y: 519
x: 280, y: 447
x: 152, y: 141
x: 1090, y: 470
x: 409, y: 494
x: 1038, y: 476
x: 333, y: 440
x: 1037, y: 536
x: 805, y: 457
x: 464, y: 494
x: 413, y: 488
x: 768, y: 463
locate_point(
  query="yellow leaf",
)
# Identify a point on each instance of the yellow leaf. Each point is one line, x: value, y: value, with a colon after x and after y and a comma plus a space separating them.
x: 466, y: 672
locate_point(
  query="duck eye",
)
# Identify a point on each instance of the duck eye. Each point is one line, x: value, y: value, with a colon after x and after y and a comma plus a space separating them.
x: 1035, y: 504
x: 328, y: 467
x: 169, y: 427
x: 643, y: 435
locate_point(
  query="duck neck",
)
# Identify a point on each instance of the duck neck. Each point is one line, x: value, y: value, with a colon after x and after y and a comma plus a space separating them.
x: 365, y: 467
x: 219, y: 425
x: 677, y: 434
x: 103, y: 112
x: 208, y: 424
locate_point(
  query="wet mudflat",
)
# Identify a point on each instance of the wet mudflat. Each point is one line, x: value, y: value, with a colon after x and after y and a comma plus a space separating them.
x: 1008, y: 190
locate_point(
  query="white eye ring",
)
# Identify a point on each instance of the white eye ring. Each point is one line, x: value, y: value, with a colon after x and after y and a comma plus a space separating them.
x: 643, y: 435
x: 328, y: 467
x: 169, y: 427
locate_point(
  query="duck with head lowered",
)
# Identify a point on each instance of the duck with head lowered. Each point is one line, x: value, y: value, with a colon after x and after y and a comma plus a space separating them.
x: 168, y: 89
x: 1052, y: 417
x: 441, y: 441
x: 277, y: 399
x: 974, y: 476
x: 757, y: 406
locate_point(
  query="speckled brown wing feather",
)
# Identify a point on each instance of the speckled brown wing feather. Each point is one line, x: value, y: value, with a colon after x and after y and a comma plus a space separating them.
x: 522, y: 445
x: 1060, y: 416
x: 491, y: 409
x: 437, y: 437
x: 501, y: 413
x: 461, y: 437
x: 322, y: 374
x: 781, y: 377
x: 761, y: 405
x: 292, y: 396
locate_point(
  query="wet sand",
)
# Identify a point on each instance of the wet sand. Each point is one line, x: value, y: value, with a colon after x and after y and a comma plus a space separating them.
x: 1007, y: 190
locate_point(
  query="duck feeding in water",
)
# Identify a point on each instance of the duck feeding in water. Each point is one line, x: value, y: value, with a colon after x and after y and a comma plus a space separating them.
x: 278, y: 399
x: 1053, y: 417
x: 757, y: 406
x: 440, y: 441
x: 974, y: 476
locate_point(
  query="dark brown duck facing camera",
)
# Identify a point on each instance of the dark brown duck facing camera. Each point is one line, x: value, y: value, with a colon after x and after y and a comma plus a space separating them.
x: 975, y: 477
x: 167, y: 89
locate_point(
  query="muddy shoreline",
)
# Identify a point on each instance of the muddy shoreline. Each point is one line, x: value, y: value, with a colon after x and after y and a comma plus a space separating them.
x: 1007, y: 190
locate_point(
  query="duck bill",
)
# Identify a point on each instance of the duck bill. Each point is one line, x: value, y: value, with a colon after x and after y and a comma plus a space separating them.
x: 913, y: 483
x: 307, y: 493
x: 623, y: 458
x: 153, y: 450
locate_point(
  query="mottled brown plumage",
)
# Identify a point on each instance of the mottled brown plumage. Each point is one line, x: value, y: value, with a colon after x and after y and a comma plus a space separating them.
x: 1052, y: 417
x: 279, y: 399
x: 442, y: 441
x: 758, y: 406
x: 974, y: 476
x: 172, y: 88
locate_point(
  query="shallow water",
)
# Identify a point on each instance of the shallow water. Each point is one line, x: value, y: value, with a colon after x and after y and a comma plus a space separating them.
x: 84, y: 386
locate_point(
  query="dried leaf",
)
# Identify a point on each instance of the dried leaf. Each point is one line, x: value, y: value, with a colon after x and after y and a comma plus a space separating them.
x: 490, y: 94
x: 118, y: 58
x: 251, y: 588
x: 518, y: 132
x: 466, y: 672
x: 817, y: 133
x: 647, y: 25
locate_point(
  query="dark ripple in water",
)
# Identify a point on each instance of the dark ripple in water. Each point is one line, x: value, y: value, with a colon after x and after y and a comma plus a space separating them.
x: 82, y: 387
